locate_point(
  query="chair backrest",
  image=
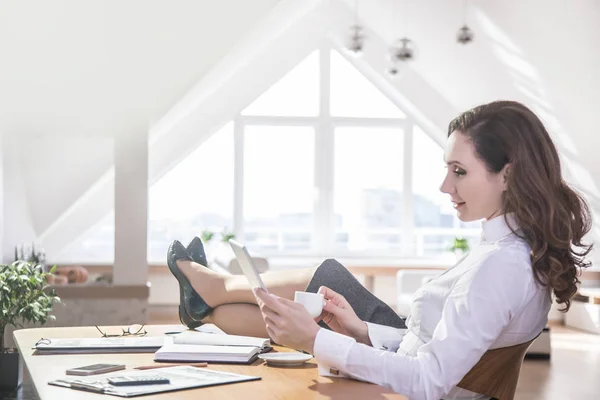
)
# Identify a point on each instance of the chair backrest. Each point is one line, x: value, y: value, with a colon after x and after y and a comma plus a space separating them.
x: 497, y: 372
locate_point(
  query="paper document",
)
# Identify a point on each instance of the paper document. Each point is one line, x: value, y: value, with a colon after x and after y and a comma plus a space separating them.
x: 144, y: 344
x: 191, y: 337
x: 179, y: 377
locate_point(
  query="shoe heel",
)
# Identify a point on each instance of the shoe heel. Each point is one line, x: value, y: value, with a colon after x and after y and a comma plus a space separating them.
x: 192, y: 308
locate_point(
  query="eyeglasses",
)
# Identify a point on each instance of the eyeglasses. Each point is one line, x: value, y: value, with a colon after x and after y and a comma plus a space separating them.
x: 132, y: 330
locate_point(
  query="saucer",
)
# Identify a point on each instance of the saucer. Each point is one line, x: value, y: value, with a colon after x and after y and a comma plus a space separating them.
x: 286, y: 359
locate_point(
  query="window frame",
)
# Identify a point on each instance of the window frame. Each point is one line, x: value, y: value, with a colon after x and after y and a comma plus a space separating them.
x: 324, y: 125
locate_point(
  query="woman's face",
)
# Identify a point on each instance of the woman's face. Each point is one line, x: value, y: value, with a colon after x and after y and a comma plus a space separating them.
x: 475, y: 192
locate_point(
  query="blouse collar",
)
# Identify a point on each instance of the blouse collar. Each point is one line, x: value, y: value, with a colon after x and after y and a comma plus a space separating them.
x: 497, y: 227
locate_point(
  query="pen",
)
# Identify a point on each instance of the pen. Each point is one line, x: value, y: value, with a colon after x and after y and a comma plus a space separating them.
x: 203, y: 364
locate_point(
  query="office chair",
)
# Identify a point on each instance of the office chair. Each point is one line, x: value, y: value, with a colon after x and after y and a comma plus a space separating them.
x: 497, y: 372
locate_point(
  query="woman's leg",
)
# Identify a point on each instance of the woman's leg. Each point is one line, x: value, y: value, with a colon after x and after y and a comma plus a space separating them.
x: 239, y: 319
x: 365, y: 304
x: 217, y: 289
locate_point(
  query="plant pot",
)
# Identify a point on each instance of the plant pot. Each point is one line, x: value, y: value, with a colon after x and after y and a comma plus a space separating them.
x: 458, y: 254
x: 11, y: 366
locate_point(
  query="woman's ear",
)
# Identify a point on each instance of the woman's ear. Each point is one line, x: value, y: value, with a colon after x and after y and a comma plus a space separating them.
x: 505, y: 173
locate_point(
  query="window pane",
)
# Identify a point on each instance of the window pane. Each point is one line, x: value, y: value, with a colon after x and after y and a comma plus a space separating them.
x: 296, y: 94
x: 278, y: 187
x: 353, y: 95
x: 197, y: 194
x: 436, y: 224
x: 368, y: 188
x: 432, y: 207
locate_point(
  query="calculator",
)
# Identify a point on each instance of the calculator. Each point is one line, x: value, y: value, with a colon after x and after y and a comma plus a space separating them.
x: 137, y: 380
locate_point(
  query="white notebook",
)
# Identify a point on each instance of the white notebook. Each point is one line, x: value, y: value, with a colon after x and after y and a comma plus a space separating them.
x: 143, y: 344
x: 191, y: 337
x: 200, y: 353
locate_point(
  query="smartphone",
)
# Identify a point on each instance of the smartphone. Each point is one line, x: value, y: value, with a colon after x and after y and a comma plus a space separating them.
x: 95, y: 369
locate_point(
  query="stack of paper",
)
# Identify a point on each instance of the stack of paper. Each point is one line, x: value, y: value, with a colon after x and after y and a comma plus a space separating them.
x: 196, y: 346
x: 199, y: 353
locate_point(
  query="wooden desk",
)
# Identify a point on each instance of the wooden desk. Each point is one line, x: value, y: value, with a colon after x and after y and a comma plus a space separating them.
x: 277, y: 383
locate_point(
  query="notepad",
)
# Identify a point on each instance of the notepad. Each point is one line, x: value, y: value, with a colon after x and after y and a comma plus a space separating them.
x: 199, y: 353
x: 191, y: 337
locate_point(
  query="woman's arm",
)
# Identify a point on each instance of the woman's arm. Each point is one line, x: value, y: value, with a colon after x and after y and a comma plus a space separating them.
x: 479, y: 307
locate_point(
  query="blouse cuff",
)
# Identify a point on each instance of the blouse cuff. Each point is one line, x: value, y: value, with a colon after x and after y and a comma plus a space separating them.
x: 332, y: 348
x: 385, y: 337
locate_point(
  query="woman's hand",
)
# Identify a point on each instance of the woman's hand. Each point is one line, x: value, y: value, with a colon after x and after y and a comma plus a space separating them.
x: 288, y: 323
x: 339, y: 316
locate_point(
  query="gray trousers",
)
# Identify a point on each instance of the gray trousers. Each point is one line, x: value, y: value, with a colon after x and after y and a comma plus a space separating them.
x: 366, y: 306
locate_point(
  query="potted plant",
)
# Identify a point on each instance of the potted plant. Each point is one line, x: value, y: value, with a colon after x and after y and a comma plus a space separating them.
x: 24, y: 297
x: 226, y: 235
x: 32, y: 255
x: 216, y: 249
x: 459, y: 247
x: 206, y: 236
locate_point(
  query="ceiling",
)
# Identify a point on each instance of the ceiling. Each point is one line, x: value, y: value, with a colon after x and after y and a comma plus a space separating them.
x: 101, y: 68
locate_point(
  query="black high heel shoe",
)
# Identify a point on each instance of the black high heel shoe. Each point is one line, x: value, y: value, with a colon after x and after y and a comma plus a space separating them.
x: 196, y: 251
x: 192, y: 308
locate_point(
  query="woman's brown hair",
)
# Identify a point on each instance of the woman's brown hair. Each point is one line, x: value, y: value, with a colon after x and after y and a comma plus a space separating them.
x: 553, y: 218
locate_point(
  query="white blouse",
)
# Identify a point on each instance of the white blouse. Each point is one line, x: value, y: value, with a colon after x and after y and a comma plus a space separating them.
x: 488, y: 300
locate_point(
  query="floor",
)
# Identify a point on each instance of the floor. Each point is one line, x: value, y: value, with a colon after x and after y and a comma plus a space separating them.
x: 571, y: 373
x: 25, y: 392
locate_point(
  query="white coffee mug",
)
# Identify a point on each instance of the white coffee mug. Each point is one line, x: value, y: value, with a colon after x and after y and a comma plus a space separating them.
x: 313, y: 302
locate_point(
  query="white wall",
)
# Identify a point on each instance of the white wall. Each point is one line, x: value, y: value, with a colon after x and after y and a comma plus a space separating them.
x: 131, y: 209
x: 1, y: 197
x: 57, y: 169
x: 17, y: 224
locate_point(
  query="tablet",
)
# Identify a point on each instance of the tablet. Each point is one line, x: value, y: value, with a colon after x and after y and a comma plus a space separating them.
x: 247, y: 265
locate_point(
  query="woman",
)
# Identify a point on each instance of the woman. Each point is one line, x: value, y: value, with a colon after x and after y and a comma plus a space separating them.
x: 502, y: 168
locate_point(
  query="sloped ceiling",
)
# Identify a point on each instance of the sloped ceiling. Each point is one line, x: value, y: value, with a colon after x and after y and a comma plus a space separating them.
x: 73, y: 67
